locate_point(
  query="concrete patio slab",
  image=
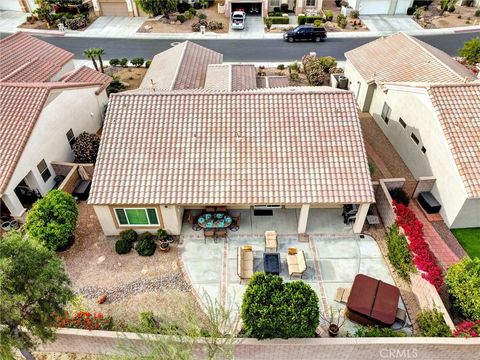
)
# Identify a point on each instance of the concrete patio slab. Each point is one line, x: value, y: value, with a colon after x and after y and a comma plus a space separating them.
x: 332, y: 248
x: 327, y: 221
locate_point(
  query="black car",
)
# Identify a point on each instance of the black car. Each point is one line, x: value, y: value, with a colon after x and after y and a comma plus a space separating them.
x: 306, y: 32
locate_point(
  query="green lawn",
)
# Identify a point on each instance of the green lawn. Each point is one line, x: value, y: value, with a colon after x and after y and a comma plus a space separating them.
x: 469, y: 239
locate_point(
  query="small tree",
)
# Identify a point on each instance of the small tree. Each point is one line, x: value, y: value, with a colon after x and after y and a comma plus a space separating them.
x: 99, y: 52
x: 137, y: 62
x: 91, y: 54
x: 34, y: 289
x: 273, y: 309
x: 471, y: 51
x: 463, y: 281
x: 157, y: 7
x: 85, y: 148
x: 52, y: 219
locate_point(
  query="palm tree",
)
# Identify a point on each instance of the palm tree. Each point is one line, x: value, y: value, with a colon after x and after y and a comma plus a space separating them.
x: 91, y: 53
x: 100, y: 52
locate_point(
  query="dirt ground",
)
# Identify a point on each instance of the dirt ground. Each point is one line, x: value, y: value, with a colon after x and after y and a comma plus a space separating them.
x: 93, y: 263
x: 132, y: 76
x: 462, y: 16
x: 160, y: 27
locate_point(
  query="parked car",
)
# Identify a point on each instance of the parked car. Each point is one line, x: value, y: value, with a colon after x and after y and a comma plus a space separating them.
x: 306, y: 32
x: 238, y: 20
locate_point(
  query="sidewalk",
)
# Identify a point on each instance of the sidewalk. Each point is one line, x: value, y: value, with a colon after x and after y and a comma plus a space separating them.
x: 126, y: 28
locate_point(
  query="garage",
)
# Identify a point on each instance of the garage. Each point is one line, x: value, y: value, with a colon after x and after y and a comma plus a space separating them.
x: 117, y: 8
x: 402, y: 6
x: 10, y: 5
x: 374, y: 7
x: 250, y: 8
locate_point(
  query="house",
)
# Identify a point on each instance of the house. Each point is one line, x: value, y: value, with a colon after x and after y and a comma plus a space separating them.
x: 18, y: 5
x: 427, y: 104
x: 381, y: 7
x: 45, y: 103
x: 218, y: 138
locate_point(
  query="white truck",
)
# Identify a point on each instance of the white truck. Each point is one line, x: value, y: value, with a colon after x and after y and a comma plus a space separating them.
x: 238, y: 20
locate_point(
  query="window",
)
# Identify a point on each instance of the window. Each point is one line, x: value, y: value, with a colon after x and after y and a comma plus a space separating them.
x: 70, y: 137
x: 310, y: 2
x: 424, y: 150
x: 386, y: 112
x: 403, y: 123
x: 414, y: 138
x: 43, y: 170
x: 137, y: 216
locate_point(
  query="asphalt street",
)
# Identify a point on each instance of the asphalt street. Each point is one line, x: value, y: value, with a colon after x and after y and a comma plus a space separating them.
x: 258, y: 50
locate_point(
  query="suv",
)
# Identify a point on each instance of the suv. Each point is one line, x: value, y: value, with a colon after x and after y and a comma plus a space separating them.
x: 306, y: 32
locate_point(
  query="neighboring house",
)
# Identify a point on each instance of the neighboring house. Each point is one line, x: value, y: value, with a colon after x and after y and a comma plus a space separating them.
x: 236, y: 143
x: 381, y: 7
x: 18, y: 5
x: 117, y: 8
x: 427, y: 104
x: 40, y: 117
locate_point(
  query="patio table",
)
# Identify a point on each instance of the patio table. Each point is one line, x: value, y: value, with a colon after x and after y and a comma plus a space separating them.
x: 271, y: 263
x: 215, y: 221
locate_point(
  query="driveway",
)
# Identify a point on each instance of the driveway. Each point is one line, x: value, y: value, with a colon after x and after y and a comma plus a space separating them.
x: 11, y: 19
x: 254, y: 27
x: 390, y: 23
x: 106, y: 26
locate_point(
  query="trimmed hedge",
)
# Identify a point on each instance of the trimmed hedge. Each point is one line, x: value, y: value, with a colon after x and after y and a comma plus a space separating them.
x: 129, y: 235
x: 375, y: 331
x: 303, y: 19
x: 399, y: 253
x: 123, y: 246
x: 145, y: 246
x: 432, y: 324
x: 277, y: 19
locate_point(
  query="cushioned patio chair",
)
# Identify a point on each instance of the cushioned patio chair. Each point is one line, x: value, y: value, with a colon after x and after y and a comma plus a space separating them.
x: 297, y: 265
x: 271, y: 244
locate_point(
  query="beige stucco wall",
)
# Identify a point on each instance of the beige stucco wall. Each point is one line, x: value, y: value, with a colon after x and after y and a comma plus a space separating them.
x: 77, y: 109
x: 417, y: 111
x: 172, y: 216
x: 106, y: 220
x: 69, y: 66
x: 469, y: 214
x: 358, y: 86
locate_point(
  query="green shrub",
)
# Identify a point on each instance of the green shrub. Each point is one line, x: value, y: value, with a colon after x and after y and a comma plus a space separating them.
x: 354, y: 14
x: 317, y: 23
x: 280, y: 67
x: 399, y: 253
x: 477, y: 13
x: 162, y: 234
x: 129, y: 235
x: 432, y: 324
x: 293, y: 67
x: 148, y: 63
x: 328, y: 15
x: 375, y: 331
x: 192, y: 11
x: 137, y: 62
x: 302, y: 19
x: 341, y: 21
x: 115, y: 86
x: 114, y: 62
x: 317, y: 69
x: 274, y: 309
x: 215, y: 25
x: 202, y: 16
x: 181, y: 18
x: 123, y: 62
x: 418, y: 13
x: 277, y: 20
x: 123, y: 246
x: 146, y: 236
x: 471, y: 51
x: 451, y: 8
x: 444, y: 4
x: 145, y: 245
x: 463, y: 281
x: 52, y: 219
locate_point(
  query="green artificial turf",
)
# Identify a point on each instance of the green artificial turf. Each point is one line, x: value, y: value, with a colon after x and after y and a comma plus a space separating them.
x: 469, y: 239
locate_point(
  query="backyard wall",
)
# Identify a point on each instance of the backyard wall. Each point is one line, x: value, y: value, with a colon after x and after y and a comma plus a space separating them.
x: 105, y: 342
x: 384, y: 200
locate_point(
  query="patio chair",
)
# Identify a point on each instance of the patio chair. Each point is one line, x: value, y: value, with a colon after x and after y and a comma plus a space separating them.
x: 192, y: 220
x: 297, y: 265
x: 235, y: 225
x: 271, y: 244
x: 209, y: 234
x: 245, y: 262
x: 220, y: 234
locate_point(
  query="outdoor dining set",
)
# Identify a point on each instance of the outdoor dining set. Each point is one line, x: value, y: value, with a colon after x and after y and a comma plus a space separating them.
x: 214, y: 221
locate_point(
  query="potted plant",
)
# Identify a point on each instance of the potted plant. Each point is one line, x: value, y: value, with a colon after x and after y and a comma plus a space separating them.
x: 335, y: 320
x: 164, y: 246
x: 162, y: 234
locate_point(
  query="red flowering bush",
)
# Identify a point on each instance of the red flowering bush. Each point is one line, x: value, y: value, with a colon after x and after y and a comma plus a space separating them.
x: 423, y: 258
x: 85, y: 320
x: 468, y: 329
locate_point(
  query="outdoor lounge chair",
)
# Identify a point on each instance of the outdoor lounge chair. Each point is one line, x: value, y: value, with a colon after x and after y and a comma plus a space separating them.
x: 297, y: 265
x: 271, y: 244
x: 245, y: 262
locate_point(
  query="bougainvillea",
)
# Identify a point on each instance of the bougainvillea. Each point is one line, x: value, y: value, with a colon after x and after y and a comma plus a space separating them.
x: 468, y: 329
x: 423, y: 258
x: 85, y: 320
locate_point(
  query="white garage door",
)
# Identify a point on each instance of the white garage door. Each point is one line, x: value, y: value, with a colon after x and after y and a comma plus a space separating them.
x: 374, y: 7
x: 10, y: 5
x: 114, y: 8
x: 402, y: 6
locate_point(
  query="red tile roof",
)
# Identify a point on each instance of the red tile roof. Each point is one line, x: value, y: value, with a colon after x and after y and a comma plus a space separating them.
x: 24, y: 58
x: 268, y: 146
x: 402, y: 58
x: 88, y: 75
x: 458, y: 109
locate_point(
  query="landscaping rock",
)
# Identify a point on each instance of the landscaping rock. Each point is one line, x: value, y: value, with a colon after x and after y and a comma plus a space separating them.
x: 101, y: 259
x: 147, y: 27
x: 102, y: 299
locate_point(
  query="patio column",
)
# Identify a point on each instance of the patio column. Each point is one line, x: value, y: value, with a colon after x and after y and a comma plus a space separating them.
x: 361, y: 217
x: 14, y: 205
x: 303, y: 218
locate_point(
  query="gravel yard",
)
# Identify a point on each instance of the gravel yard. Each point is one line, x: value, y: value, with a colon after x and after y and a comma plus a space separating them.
x: 131, y: 282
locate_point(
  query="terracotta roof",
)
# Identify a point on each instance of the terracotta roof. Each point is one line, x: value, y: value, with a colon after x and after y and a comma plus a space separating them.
x: 230, y: 77
x: 402, y: 58
x: 24, y: 58
x: 458, y: 110
x: 272, y: 81
x: 88, y: 75
x: 281, y: 146
x: 243, y: 77
x: 182, y: 67
x: 21, y: 105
